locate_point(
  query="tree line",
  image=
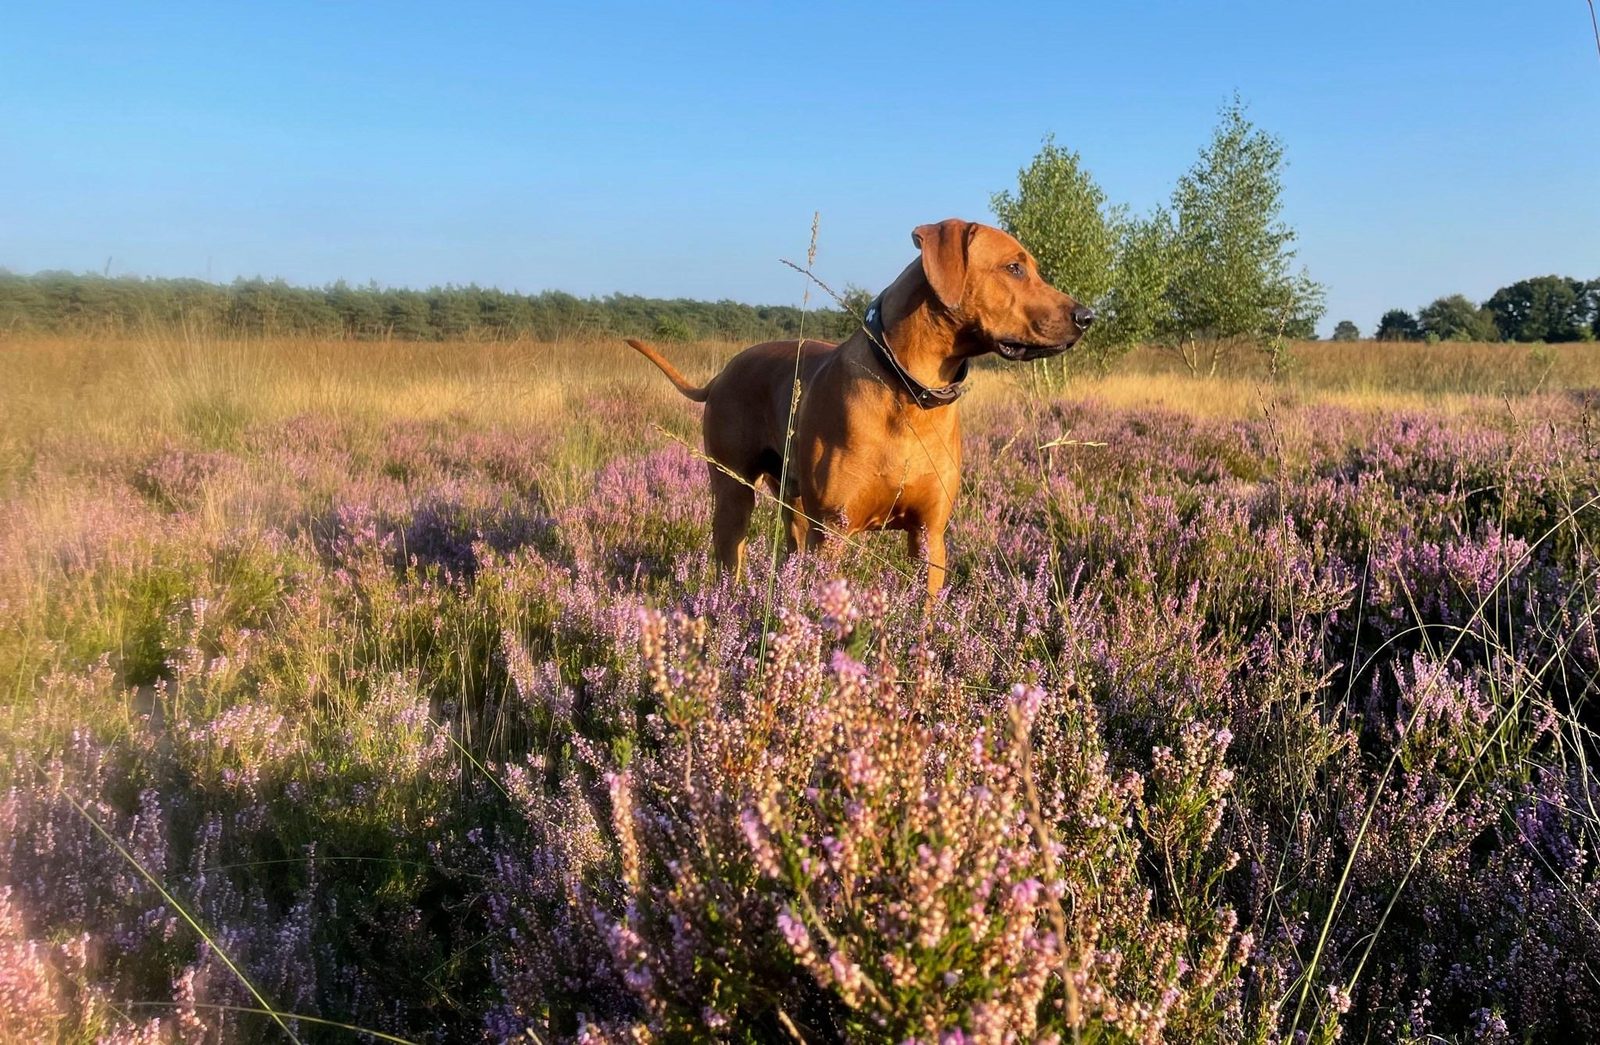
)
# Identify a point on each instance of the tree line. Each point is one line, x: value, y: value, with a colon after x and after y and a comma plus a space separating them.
x: 71, y: 303
x: 1544, y: 308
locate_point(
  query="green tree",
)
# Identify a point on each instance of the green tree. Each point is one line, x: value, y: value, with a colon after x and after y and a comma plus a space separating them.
x: 840, y: 323
x: 255, y: 307
x: 1454, y: 318
x: 1138, y: 301
x: 1545, y: 308
x: 1345, y: 330
x: 1398, y: 325
x: 1063, y: 217
x: 1230, y: 281
x: 452, y: 311
x: 360, y: 309
x: 405, y: 315
x: 673, y: 328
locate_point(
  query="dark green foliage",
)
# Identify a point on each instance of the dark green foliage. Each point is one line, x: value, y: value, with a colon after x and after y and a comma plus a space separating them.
x: 1454, y: 318
x: 1399, y: 325
x: 672, y: 328
x: 1345, y: 330
x: 1546, y: 308
x: 64, y: 302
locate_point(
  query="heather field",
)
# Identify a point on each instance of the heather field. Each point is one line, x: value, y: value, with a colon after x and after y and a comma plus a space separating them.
x: 387, y: 690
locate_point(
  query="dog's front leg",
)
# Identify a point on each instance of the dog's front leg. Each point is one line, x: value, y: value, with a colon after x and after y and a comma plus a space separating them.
x: 926, y: 545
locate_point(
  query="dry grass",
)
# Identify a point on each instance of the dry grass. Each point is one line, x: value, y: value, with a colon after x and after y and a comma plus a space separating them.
x: 1370, y: 367
x: 107, y: 396
x: 129, y: 384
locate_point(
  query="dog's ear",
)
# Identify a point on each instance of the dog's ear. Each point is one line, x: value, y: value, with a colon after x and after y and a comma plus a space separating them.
x: 944, y: 257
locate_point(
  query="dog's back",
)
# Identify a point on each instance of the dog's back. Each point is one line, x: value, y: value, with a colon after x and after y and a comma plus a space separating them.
x: 747, y: 403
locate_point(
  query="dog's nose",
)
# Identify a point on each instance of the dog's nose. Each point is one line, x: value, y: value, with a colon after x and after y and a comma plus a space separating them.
x: 1083, y: 315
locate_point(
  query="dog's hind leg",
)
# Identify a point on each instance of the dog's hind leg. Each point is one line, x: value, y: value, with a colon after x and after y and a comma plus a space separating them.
x: 733, y: 500
x: 801, y: 531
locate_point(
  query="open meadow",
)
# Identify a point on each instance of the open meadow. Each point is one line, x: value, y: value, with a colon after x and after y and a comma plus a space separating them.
x: 388, y: 688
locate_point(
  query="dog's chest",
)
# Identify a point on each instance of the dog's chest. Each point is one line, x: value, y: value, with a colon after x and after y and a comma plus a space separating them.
x: 908, y: 476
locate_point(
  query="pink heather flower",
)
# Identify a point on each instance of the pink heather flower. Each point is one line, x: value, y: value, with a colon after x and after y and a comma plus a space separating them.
x: 622, y: 822
x: 839, y: 612
x: 750, y: 823
x: 1025, y: 894
x: 846, y: 975
x: 185, y: 992
x: 794, y: 931
x: 1027, y: 700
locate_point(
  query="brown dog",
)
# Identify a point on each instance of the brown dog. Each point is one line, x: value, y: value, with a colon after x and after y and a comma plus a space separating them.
x: 877, y: 436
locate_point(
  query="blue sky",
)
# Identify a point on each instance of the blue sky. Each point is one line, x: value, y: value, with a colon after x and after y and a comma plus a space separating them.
x: 681, y: 149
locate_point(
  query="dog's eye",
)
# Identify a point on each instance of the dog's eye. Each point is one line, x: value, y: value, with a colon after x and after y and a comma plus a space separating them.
x: 1016, y: 269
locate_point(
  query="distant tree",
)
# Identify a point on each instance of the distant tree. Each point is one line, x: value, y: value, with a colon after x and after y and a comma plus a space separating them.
x: 1301, y: 328
x: 1062, y: 216
x: 452, y: 311
x: 1345, y: 330
x: 1454, y: 318
x: 360, y: 310
x: 1398, y: 325
x: 22, y: 302
x: 199, y: 305
x: 1545, y: 308
x: 407, y: 316
x: 855, y: 300
x: 673, y: 328
x: 1229, y: 279
x: 255, y: 307
x: 853, y: 304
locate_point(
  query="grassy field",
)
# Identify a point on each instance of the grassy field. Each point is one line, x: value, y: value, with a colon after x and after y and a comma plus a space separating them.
x: 387, y: 689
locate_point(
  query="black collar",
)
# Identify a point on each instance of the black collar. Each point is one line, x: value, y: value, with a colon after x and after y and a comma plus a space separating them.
x: 921, y: 394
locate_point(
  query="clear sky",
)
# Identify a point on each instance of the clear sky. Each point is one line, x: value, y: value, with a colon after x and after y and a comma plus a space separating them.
x: 680, y: 149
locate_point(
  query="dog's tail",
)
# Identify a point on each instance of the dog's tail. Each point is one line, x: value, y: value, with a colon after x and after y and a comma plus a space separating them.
x: 681, y: 383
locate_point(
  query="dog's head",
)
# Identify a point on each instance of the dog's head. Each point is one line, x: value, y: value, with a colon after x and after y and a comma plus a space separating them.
x: 990, y: 283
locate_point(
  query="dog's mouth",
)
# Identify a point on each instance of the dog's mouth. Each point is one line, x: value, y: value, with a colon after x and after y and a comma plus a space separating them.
x: 1022, y: 351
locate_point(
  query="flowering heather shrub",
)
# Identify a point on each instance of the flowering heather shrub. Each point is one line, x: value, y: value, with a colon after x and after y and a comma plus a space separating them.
x: 1266, y: 730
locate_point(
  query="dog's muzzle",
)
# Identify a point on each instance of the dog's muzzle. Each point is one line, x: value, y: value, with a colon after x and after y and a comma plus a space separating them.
x: 1020, y: 351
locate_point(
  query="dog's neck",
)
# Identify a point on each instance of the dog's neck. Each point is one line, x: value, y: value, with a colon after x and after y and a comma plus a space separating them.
x: 931, y: 344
